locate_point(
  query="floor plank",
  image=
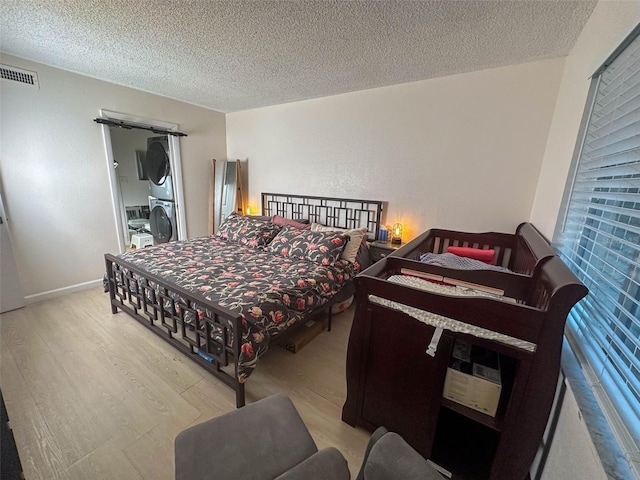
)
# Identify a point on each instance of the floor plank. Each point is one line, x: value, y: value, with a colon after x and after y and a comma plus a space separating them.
x: 104, y: 463
x: 96, y: 395
x: 150, y: 390
x: 58, y: 397
x: 210, y: 398
x: 41, y: 451
x: 169, y: 364
x: 152, y: 454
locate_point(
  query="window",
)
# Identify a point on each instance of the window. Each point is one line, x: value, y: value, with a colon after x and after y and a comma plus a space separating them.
x: 598, y: 237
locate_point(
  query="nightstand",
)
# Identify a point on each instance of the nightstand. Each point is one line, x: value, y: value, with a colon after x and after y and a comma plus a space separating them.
x: 379, y: 250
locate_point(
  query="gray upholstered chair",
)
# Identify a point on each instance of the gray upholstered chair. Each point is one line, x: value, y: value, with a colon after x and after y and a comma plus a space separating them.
x: 389, y: 457
x: 267, y: 440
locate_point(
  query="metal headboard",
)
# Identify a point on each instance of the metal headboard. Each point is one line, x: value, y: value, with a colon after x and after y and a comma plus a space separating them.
x: 333, y: 212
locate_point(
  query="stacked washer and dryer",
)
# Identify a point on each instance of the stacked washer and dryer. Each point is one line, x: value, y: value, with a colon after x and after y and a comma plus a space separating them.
x: 162, y: 218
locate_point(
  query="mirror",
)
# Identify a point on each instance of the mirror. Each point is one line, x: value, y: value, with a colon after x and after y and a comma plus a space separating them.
x: 229, y: 188
x: 230, y: 194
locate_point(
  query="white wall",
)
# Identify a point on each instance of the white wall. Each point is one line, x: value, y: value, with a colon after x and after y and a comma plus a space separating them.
x: 461, y: 152
x: 608, y: 25
x: 54, y: 170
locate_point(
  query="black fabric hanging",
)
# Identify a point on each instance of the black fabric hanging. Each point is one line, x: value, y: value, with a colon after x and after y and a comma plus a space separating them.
x: 161, y: 228
x: 157, y: 163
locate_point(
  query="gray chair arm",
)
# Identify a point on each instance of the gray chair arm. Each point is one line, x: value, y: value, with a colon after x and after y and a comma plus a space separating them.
x: 389, y: 457
x: 373, y: 439
x: 256, y: 442
x: 325, y: 464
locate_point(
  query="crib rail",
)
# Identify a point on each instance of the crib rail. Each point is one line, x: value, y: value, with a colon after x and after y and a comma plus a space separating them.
x: 520, y: 252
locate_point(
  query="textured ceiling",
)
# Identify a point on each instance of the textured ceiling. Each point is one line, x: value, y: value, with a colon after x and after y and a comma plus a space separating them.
x: 236, y: 55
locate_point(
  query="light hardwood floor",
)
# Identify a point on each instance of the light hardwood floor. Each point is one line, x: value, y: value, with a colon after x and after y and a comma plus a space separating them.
x: 95, y: 395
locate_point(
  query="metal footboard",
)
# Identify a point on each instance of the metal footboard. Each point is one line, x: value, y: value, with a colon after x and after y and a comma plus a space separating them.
x: 207, y: 333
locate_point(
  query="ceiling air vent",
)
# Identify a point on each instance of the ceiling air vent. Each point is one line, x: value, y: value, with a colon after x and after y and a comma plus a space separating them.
x: 14, y: 74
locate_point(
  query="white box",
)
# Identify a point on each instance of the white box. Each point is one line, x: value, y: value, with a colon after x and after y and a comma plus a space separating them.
x: 140, y: 240
x: 480, y: 391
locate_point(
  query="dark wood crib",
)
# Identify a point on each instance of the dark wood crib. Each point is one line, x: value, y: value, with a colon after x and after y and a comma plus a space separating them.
x: 393, y: 381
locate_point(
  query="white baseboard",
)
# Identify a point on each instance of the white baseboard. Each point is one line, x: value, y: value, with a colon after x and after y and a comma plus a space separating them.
x: 59, y: 292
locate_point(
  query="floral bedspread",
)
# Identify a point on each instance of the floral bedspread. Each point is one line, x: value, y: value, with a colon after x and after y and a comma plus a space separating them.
x: 270, y: 291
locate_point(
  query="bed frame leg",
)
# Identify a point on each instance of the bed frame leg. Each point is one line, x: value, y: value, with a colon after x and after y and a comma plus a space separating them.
x: 240, y: 395
x: 330, y: 318
x: 110, y: 283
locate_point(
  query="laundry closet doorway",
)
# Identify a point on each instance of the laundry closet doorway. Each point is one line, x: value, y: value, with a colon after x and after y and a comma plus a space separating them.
x: 145, y: 176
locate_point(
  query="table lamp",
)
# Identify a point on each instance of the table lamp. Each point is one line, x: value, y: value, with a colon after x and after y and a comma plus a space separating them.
x: 396, y: 234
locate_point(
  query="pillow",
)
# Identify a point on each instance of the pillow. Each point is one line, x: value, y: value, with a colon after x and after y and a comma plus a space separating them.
x: 247, y: 230
x: 486, y: 256
x: 278, y: 220
x: 363, y: 257
x: 355, y: 239
x: 323, y: 248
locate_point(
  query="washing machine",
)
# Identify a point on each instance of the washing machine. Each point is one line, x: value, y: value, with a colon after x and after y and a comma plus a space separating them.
x: 158, y: 168
x: 163, y: 220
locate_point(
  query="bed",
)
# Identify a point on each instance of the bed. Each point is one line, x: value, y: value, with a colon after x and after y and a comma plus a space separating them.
x: 222, y: 299
x: 420, y: 311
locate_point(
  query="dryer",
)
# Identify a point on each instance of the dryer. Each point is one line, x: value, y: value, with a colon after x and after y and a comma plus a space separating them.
x: 162, y: 220
x: 158, y: 168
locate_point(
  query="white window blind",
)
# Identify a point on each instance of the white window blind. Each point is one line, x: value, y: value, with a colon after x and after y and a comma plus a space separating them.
x: 600, y: 236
